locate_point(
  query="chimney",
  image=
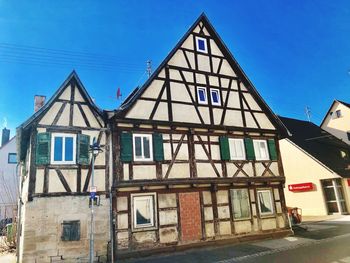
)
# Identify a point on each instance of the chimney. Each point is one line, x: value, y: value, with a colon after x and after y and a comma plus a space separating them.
x: 5, y: 136
x: 38, y: 102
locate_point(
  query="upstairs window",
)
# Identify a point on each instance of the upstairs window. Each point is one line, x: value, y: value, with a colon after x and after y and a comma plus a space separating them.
x: 201, y: 44
x: 202, y: 95
x: 237, y: 151
x: 12, y: 158
x: 63, y: 148
x: 338, y: 113
x: 261, y: 150
x: 142, y: 147
x: 215, y: 97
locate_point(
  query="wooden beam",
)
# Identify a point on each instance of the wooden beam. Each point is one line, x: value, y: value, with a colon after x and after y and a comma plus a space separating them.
x: 174, y: 157
x: 63, y: 180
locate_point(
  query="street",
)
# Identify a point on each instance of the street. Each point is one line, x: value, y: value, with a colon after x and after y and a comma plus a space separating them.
x: 325, y: 241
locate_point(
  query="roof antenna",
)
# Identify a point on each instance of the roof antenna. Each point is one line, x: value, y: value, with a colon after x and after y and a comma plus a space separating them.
x: 308, y: 113
x: 149, y: 68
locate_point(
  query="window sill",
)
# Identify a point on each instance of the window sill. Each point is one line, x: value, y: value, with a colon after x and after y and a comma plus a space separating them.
x: 144, y: 229
x: 267, y: 216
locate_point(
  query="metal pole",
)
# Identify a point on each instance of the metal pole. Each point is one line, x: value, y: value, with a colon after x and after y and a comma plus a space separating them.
x: 92, y: 213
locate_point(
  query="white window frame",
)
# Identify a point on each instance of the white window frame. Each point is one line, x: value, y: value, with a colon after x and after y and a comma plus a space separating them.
x: 149, y: 136
x: 243, y: 146
x: 271, y: 200
x: 259, y: 149
x: 233, y: 207
x: 211, y: 97
x: 205, y: 45
x: 63, y: 135
x: 152, y: 198
x: 205, y: 102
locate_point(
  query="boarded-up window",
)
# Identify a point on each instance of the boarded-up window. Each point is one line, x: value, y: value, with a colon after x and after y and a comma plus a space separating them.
x: 70, y: 230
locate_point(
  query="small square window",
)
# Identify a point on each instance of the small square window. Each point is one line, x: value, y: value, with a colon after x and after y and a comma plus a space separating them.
x: 237, y: 150
x: 338, y: 113
x: 265, y: 202
x: 143, y: 211
x: 240, y: 203
x: 142, y: 147
x: 261, y: 150
x: 12, y: 158
x: 215, y: 97
x: 63, y: 148
x: 70, y: 230
x: 201, y: 44
x: 202, y: 95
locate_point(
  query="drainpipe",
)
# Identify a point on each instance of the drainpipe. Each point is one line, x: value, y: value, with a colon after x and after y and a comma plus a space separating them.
x: 111, y: 217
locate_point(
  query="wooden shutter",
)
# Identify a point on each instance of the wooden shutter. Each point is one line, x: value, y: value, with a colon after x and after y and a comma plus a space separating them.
x: 126, y: 147
x: 224, y: 148
x: 249, y: 149
x: 70, y: 231
x: 272, y: 149
x: 83, y: 149
x: 158, y: 151
x: 43, y: 143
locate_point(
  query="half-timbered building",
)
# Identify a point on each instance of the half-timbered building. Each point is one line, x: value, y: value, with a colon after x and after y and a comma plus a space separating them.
x: 195, y: 152
x: 53, y: 149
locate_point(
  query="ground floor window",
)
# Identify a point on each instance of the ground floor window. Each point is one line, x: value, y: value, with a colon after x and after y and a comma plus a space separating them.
x: 240, y: 203
x: 70, y: 230
x: 143, y: 210
x: 265, y: 201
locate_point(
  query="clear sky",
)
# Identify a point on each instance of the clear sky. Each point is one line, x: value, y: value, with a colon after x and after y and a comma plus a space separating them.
x: 296, y: 53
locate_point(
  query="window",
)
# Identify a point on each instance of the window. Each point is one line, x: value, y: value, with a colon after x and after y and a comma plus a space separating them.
x: 70, y: 230
x: 265, y: 202
x: 12, y: 158
x: 143, y: 211
x: 63, y: 148
x: 261, y: 150
x: 240, y: 203
x: 142, y: 144
x: 215, y: 97
x: 202, y: 95
x: 201, y: 44
x: 338, y: 114
x: 237, y: 151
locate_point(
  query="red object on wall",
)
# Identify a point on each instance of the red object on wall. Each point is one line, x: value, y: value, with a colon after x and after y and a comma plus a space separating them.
x: 301, y: 187
x: 348, y: 182
x: 190, y: 216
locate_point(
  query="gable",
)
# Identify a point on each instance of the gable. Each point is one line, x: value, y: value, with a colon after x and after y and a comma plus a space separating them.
x: 71, y: 106
x: 171, y: 94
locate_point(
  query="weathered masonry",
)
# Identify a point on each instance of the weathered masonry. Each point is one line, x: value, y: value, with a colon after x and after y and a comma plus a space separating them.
x: 53, y: 148
x: 195, y: 152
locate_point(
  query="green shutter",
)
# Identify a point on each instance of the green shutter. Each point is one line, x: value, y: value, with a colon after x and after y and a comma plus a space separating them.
x: 224, y: 148
x: 249, y: 149
x: 43, y: 141
x: 83, y: 149
x: 272, y: 149
x: 158, y: 147
x: 126, y: 147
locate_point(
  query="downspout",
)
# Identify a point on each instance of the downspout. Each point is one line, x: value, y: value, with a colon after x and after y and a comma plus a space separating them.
x: 111, y: 218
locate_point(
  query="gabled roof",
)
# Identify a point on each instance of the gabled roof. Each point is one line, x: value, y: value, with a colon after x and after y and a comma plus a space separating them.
x: 130, y: 101
x: 14, y: 137
x: 329, y: 110
x: 320, y: 144
x: 73, y: 76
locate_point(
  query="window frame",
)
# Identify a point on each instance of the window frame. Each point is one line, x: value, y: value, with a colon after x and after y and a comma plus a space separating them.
x: 205, y: 102
x: 243, y: 147
x: 232, y: 204
x: 218, y: 95
x: 255, y: 150
x: 271, y: 200
x: 8, y: 158
x: 205, y: 51
x: 142, y: 135
x: 74, y: 154
x: 338, y: 114
x: 153, y: 201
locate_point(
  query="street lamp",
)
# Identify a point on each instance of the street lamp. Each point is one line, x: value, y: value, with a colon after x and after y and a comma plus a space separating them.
x: 95, y: 149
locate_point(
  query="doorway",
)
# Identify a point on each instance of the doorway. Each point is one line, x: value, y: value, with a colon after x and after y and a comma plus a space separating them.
x: 334, y: 196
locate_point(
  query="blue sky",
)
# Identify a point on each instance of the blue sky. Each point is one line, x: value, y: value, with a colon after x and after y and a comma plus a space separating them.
x: 296, y: 53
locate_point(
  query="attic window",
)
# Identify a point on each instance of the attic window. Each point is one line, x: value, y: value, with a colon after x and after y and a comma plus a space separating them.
x: 202, y: 95
x: 348, y: 133
x: 344, y: 154
x: 338, y: 113
x: 201, y: 44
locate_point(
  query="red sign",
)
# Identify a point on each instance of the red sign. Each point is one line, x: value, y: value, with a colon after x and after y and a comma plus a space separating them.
x: 348, y: 182
x: 301, y: 187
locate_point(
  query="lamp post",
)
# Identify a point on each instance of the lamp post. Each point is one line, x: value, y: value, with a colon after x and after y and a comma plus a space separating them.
x: 95, y: 149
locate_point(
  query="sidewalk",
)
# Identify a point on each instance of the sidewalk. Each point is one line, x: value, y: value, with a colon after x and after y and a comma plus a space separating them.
x: 308, y: 219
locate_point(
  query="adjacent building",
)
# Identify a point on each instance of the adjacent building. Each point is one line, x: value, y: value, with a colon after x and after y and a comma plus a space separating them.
x: 317, y: 169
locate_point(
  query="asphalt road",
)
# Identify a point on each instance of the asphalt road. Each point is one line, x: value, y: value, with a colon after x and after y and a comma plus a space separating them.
x: 327, y: 241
